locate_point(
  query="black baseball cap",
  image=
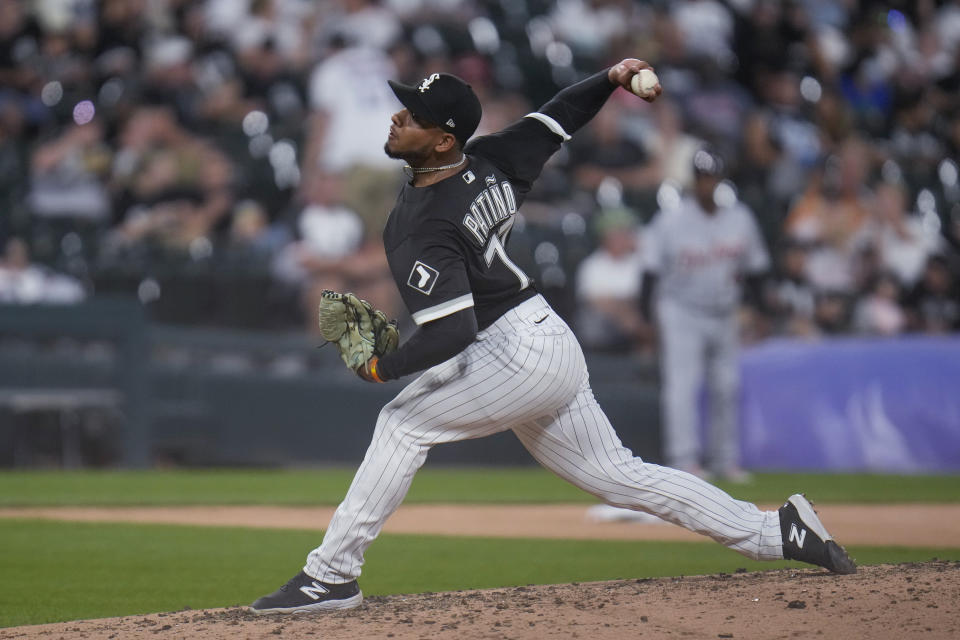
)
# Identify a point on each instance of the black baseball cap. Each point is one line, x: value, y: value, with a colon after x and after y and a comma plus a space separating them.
x: 444, y: 100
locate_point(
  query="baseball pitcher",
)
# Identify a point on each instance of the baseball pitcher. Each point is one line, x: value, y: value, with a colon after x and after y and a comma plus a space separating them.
x: 494, y: 355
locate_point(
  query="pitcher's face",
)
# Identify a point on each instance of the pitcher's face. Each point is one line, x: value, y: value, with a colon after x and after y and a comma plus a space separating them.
x: 411, y: 138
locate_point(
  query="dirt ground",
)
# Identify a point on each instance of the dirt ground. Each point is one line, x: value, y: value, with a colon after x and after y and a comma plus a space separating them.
x: 887, y: 601
x: 914, y: 525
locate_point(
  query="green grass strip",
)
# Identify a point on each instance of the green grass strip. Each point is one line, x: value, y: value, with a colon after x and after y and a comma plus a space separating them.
x: 59, y: 571
x: 510, y: 485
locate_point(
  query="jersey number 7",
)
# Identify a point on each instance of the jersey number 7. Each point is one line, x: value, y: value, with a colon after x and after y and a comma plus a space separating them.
x: 495, y: 249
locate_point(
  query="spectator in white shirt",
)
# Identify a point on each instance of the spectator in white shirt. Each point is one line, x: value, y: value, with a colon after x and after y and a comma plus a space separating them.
x: 608, y: 286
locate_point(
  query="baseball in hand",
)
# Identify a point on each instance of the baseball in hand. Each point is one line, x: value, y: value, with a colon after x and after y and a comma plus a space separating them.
x: 643, y: 83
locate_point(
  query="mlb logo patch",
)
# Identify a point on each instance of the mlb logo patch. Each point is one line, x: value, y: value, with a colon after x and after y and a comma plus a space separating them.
x: 423, y: 277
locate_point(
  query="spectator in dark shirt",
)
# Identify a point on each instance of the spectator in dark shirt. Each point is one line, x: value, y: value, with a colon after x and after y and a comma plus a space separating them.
x: 934, y: 304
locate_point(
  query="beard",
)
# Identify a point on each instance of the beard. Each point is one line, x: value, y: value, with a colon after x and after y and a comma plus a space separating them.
x: 390, y: 153
x: 412, y: 157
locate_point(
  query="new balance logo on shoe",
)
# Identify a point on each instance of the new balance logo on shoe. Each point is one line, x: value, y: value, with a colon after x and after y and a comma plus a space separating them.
x: 305, y: 593
x: 797, y: 535
x: 797, y: 519
x: 315, y: 589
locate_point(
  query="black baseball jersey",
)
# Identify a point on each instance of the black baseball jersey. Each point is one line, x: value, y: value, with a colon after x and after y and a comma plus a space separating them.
x: 446, y: 243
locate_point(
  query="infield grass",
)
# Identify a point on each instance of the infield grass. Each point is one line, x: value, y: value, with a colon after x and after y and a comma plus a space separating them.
x: 59, y: 571
x: 511, y: 485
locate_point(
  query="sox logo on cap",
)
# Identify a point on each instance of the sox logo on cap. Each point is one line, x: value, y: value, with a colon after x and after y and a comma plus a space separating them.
x: 428, y: 81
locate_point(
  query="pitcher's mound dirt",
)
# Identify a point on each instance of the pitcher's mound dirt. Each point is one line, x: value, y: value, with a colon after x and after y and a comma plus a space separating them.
x: 884, y: 601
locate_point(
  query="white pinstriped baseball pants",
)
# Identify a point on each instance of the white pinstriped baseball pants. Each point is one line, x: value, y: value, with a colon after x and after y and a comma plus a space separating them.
x: 525, y: 372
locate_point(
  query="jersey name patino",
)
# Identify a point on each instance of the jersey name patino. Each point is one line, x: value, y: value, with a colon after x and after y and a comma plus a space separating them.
x: 493, y: 205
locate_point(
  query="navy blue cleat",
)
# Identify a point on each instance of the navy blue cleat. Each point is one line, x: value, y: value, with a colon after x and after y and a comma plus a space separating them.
x: 303, y: 593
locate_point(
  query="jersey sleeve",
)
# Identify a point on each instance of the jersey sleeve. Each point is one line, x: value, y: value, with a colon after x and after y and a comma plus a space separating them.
x: 520, y: 150
x: 524, y: 147
x: 432, y: 275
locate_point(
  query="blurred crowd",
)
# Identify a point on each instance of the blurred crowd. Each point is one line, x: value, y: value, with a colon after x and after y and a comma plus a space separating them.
x: 223, y: 159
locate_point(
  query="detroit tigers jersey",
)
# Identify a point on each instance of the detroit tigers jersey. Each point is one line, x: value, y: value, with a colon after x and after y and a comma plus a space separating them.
x: 446, y: 243
x: 700, y: 257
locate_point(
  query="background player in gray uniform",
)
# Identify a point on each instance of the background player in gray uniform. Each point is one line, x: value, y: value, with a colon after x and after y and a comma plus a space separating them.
x: 698, y: 255
x: 495, y: 355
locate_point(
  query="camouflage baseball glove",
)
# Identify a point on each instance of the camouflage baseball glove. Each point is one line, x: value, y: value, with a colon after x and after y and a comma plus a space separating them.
x: 359, y: 331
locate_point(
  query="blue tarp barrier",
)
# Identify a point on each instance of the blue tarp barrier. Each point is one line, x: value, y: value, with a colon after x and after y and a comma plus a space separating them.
x: 879, y: 405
